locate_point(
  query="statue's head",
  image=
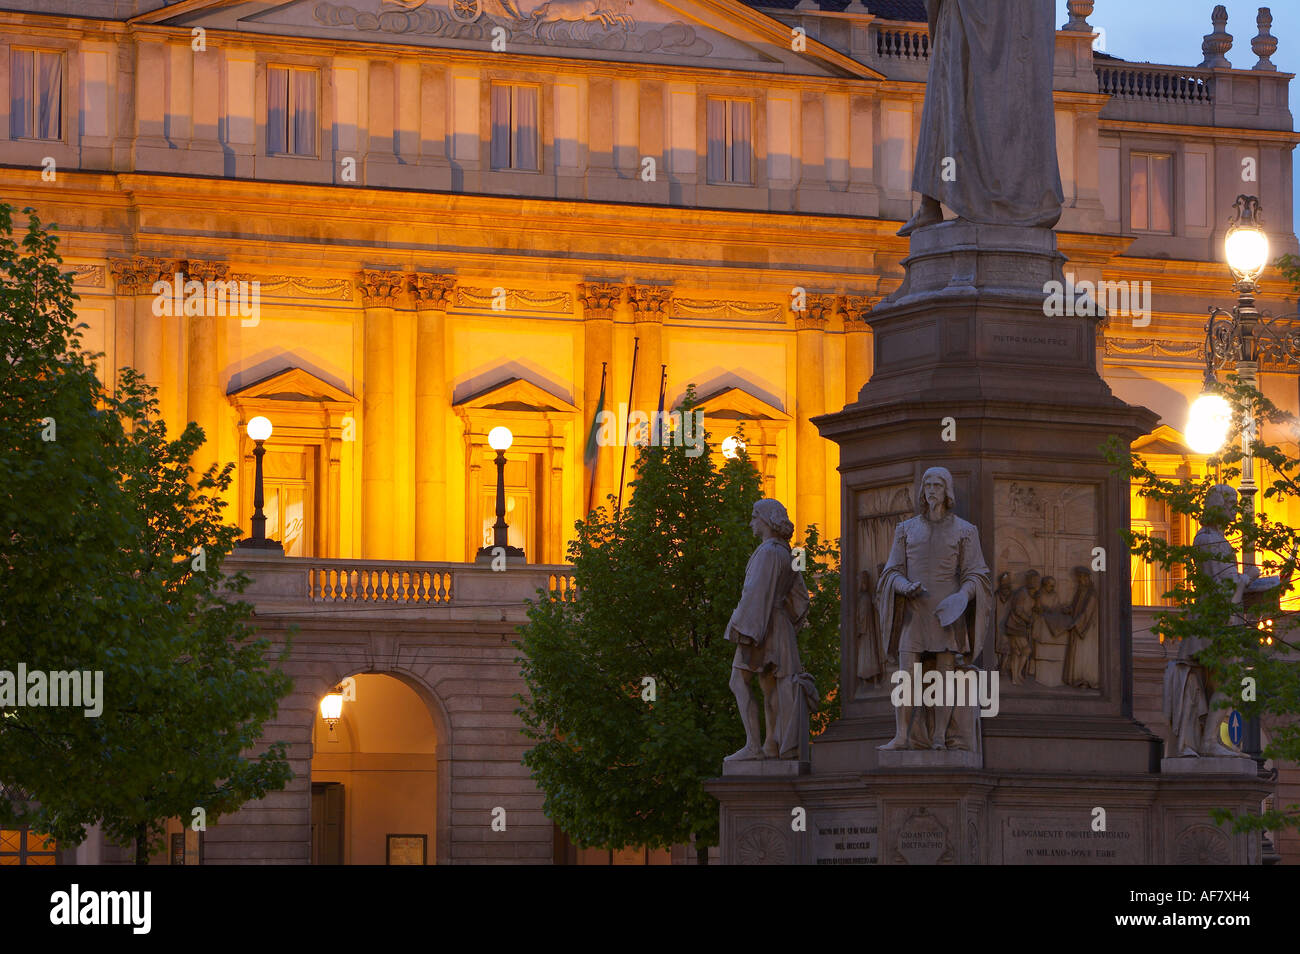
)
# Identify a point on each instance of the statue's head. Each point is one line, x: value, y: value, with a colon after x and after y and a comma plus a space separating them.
x: 936, y: 491
x: 1082, y: 576
x: 1049, y: 584
x: 1031, y: 580
x: 772, y: 514
x: 1220, y: 506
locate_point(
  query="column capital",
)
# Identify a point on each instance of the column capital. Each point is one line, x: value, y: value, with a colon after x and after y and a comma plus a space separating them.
x: 431, y: 292
x: 650, y: 302
x: 379, y: 288
x: 599, y: 300
x: 202, y: 271
x: 136, y: 276
x: 819, y: 310
x: 856, y: 308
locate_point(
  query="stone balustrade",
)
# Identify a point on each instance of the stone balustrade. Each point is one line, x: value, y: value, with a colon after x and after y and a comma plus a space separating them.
x: 1156, y: 84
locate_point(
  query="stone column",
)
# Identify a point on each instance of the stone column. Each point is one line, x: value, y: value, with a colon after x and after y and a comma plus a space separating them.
x: 203, y: 369
x: 650, y: 305
x: 599, y: 302
x: 152, y: 335
x: 432, y: 294
x: 810, y: 401
x: 379, y: 291
x: 857, y: 344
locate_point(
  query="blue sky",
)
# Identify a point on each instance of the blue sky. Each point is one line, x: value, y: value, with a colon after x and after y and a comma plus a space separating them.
x: 1170, y: 31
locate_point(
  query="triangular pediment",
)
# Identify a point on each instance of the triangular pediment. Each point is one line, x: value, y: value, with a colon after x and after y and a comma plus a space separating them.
x: 294, y: 384
x: 721, y: 34
x: 516, y: 394
x: 1163, y: 441
x: 738, y: 404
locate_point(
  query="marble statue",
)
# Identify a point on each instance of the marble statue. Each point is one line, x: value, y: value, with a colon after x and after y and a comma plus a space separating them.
x: 987, y: 145
x: 935, y: 602
x: 1082, y: 657
x: 764, y: 626
x: 1020, y: 627
x: 1192, y: 701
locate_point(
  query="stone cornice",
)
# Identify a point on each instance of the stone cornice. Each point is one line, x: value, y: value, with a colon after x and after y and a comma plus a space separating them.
x: 650, y: 302
x: 380, y: 289
x: 599, y: 300
x: 432, y: 292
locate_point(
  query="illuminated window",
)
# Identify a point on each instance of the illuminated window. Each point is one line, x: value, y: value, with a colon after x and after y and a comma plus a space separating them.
x: 514, y: 127
x: 22, y: 846
x: 290, y: 111
x: 1151, y: 191
x: 35, y: 94
x: 731, y: 151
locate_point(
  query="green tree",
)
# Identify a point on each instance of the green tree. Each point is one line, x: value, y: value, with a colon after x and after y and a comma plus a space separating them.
x: 1257, y: 641
x: 111, y: 562
x: 655, y: 586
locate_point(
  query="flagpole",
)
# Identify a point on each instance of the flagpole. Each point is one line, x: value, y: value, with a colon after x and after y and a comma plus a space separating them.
x: 622, y: 472
x: 659, y: 422
x: 595, y: 461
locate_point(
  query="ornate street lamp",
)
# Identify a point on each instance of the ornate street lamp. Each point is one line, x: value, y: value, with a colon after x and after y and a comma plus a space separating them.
x: 732, y: 447
x: 331, y: 707
x: 259, y: 430
x: 500, y: 439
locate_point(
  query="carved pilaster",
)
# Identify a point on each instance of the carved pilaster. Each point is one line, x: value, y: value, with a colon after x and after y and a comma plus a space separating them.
x: 432, y: 292
x: 380, y: 289
x: 600, y: 300
x: 650, y: 302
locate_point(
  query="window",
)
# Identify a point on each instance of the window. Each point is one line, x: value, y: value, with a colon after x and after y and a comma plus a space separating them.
x: 21, y: 846
x: 1151, y: 192
x: 290, y: 111
x: 730, y: 147
x: 36, y: 95
x: 514, y: 128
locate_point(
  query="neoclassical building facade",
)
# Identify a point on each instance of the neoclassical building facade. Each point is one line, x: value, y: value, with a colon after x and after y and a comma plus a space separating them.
x: 448, y: 215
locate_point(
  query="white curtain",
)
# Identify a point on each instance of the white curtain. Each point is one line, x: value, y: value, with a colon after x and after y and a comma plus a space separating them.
x: 304, y: 112
x: 1162, y: 183
x: 49, y: 96
x: 277, y: 110
x: 1137, y: 193
x: 716, y: 121
x: 21, y: 84
x: 740, y: 148
x: 500, y: 127
x: 525, y: 131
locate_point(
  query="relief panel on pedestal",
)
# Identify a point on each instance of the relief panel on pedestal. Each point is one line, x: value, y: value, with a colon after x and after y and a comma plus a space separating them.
x: 1048, y: 624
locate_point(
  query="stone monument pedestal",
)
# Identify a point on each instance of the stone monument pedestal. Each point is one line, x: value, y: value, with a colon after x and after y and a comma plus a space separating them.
x: 974, y: 375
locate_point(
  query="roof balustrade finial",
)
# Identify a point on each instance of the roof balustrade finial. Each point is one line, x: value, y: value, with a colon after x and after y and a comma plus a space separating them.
x: 1080, y: 10
x: 1265, y: 44
x: 1218, y: 43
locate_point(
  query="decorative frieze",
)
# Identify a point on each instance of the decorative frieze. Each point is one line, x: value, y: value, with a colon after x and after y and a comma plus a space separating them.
x: 650, y: 302
x: 432, y: 292
x: 515, y: 299
x: 90, y: 276
x: 298, y: 286
x: 600, y: 300
x: 732, y: 310
x: 380, y: 289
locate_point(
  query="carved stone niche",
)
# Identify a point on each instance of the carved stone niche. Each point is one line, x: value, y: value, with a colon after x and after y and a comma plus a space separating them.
x: 1050, y: 529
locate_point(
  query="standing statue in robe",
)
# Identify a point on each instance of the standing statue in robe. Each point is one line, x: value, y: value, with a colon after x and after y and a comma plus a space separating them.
x: 935, y: 574
x: 987, y: 146
x: 764, y: 626
x: 1193, y: 702
x: 1082, y: 662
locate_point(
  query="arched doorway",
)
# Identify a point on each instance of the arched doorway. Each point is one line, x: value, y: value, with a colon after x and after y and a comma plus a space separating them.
x: 375, y: 778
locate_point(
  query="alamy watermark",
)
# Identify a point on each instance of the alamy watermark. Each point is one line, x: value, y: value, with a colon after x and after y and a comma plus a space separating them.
x: 76, y: 689
x: 954, y: 687
x: 210, y: 299
x: 1085, y: 299
x: 659, y: 429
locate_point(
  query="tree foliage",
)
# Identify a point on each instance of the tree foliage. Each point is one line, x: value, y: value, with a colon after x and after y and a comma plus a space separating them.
x: 111, y: 562
x: 656, y: 584
x: 1257, y: 641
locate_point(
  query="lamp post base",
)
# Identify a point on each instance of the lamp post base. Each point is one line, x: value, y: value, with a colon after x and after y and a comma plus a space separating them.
x: 268, y: 546
x: 491, y: 554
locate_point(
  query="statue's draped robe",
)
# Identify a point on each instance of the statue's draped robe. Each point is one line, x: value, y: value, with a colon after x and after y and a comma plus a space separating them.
x: 1082, y: 658
x: 988, y: 106
x: 765, y: 625
x: 942, y: 556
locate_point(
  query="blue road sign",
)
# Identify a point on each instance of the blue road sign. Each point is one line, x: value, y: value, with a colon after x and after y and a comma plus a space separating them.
x: 1234, y: 727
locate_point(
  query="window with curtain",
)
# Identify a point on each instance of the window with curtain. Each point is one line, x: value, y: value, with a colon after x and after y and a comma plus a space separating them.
x: 1151, y: 192
x: 515, y: 128
x: 35, y: 94
x: 290, y: 111
x: 731, y: 150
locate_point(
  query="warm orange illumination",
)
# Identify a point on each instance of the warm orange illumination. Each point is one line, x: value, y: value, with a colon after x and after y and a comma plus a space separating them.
x: 331, y: 706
